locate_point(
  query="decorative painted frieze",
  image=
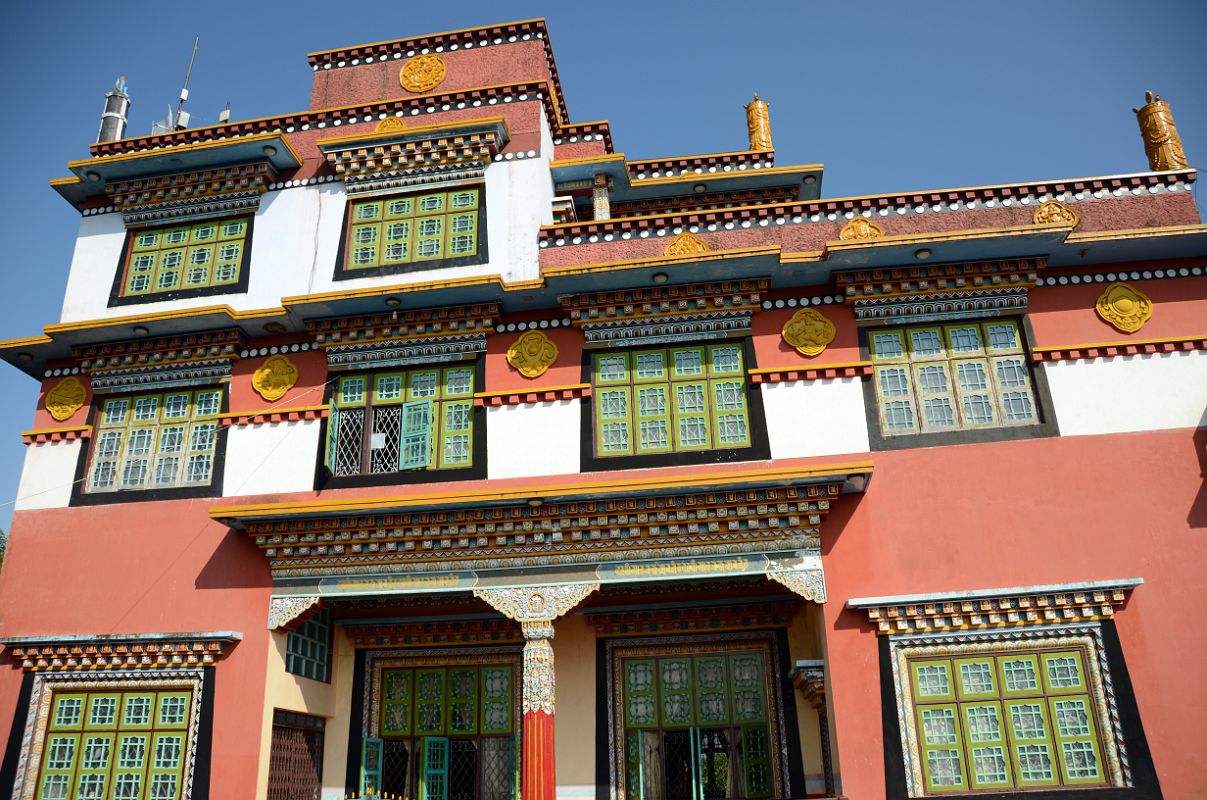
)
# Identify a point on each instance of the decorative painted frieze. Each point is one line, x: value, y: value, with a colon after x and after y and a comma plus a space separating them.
x: 405, y: 337
x: 422, y: 635
x: 1073, y: 602
x: 719, y: 617
x: 124, y: 651
x: 192, y: 195
x: 1135, y: 347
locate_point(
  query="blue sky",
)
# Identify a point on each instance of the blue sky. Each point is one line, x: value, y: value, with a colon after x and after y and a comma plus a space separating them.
x: 889, y: 96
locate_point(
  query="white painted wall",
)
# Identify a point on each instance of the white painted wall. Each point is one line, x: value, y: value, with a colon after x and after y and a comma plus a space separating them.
x: 815, y: 418
x: 1129, y: 393
x: 47, y: 477
x: 533, y: 439
x: 271, y: 458
x: 295, y: 240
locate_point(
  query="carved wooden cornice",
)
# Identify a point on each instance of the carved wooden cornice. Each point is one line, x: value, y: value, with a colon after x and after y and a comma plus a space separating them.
x: 405, y: 337
x: 772, y: 613
x: 159, y: 350
x: 120, y: 651
x: 395, y: 148
x: 937, y: 278
x: 434, y: 633
x: 988, y: 608
x: 208, y: 192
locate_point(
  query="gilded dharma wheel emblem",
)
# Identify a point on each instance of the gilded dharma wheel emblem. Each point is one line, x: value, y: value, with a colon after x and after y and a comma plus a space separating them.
x: 1124, y: 307
x: 423, y: 73
x: 274, y: 378
x: 66, y: 398
x: 809, y: 331
x: 532, y: 354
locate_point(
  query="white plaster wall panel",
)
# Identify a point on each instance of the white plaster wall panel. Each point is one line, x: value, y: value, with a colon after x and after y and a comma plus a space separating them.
x: 98, y: 249
x: 533, y: 439
x: 1129, y: 393
x: 295, y: 242
x: 815, y: 418
x: 271, y: 458
x: 48, y: 475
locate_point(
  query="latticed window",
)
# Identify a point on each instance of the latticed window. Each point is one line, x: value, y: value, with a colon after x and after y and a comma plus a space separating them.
x: 446, y: 732
x: 295, y: 767
x: 392, y: 421
x: 698, y: 726
x: 116, y: 745
x: 189, y: 256
x: 155, y: 441
x: 307, y: 649
x: 431, y: 226
x: 670, y: 399
x: 951, y: 377
x: 1015, y: 720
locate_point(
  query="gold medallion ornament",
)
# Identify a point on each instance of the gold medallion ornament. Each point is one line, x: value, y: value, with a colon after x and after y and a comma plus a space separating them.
x: 274, y: 378
x: 422, y: 73
x: 390, y: 124
x: 1124, y: 307
x: 809, y: 331
x: 66, y: 398
x: 1055, y: 212
x: 860, y: 228
x: 532, y: 354
x: 686, y: 244
x: 1162, y: 144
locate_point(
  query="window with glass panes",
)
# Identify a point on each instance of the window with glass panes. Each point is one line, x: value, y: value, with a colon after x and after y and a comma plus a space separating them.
x: 189, y: 256
x: 431, y: 226
x: 401, y: 420
x: 1021, y: 719
x: 116, y: 745
x: 938, y: 378
x: 670, y: 399
x: 155, y: 441
x: 308, y: 647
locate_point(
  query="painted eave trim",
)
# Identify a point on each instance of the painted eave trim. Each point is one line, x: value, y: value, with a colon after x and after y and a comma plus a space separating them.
x: 636, y: 483
x: 101, y: 638
x: 989, y: 594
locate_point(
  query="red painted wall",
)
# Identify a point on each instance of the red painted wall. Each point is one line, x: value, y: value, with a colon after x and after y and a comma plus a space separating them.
x: 1025, y: 513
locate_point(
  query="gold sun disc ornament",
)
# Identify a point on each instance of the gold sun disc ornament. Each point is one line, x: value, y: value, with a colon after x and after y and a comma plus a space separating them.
x: 809, y: 331
x: 1124, y: 307
x: 66, y: 398
x: 423, y: 73
x: 274, y: 378
x: 532, y: 354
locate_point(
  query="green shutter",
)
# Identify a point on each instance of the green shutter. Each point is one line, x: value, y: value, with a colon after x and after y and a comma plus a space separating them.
x: 370, y: 766
x: 434, y: 777
x: 756, y: 758
x: 332, y: 436
x: 416, y: 449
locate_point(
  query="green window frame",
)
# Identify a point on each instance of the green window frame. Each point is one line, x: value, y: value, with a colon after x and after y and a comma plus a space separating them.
x: 415, y: 419
x: 402, y: 230
x: 193, y: 255
x: 673, y: 399
x: 113, y: 744
x: 308, y: 648
x: 1021, y: 719
x: 958, y: 376
x: 155, y: 441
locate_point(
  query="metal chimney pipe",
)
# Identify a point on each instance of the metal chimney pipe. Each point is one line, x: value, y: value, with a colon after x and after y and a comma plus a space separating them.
x: 117, y: 110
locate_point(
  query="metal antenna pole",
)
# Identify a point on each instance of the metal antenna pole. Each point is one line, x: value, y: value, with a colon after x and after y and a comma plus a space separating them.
x: 184, y: 93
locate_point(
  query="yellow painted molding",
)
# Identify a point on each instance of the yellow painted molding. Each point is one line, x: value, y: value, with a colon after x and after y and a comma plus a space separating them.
x: 25, y: 341
x: 267, y: 411
x: 183, y: 148
x: 159, y: 316
x: 1121, y: 343
x: 600, y: 159
x: 639, y: 482
x: 408, y: 288
x: 697, y: 177
x: 1137, y: 233
x: 693, y: 158
x: 71, y: 181
x: 808, y: 367
x: 663, y: 260
x: 478, y: 29
x: 408, y: 130
x: 567, y: 387
x: 48, y: 431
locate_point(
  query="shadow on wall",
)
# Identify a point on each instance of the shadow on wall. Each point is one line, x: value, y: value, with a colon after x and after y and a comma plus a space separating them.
x: 236, y: 563
x: 1197, y: 518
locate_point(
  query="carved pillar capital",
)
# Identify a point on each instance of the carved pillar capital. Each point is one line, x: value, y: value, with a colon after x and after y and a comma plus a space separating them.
x: 529, y: 605
x: 284, y: 610
x: 806, y: 580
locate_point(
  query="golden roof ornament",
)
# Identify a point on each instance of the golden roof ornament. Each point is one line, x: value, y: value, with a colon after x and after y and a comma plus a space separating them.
x: 860, y: 228
x: 422, y: 73
x: 685, y: 244
x: 1054, y: 212
x: 758, y: 124
x: 1161, y: 140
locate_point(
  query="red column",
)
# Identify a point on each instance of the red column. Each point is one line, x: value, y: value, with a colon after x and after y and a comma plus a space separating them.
x: 538, y: 780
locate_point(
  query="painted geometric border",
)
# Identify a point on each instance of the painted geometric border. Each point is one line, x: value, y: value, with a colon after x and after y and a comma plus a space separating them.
x: 1087, y: 637
x: 46, y: 685
x: 685, y: 645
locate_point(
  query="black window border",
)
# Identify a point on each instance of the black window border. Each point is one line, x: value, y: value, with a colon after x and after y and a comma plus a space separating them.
x: 1145, y: 785
x: 323, y: 479
x: 1046, y: 427
x: 81, y: 497
x: 760, y: 445
x: 116, y: 298
x: 345, y: 273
